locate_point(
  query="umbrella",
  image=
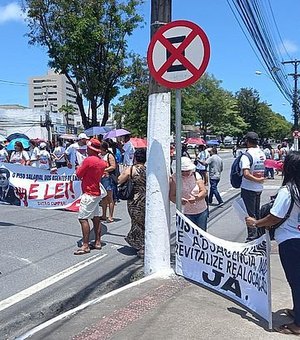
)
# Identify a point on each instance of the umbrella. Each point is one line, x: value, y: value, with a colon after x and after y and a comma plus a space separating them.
x: 138, y: 142
x: 97, y: 130
x: 24, y: 141
x: 195, y: 140
x: 116, y: 133
x: 68, y: 136
x: 16, y: 135
x: 2, y: 138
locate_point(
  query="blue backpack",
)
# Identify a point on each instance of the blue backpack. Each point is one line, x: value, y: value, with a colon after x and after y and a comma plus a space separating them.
x: 235, y: 173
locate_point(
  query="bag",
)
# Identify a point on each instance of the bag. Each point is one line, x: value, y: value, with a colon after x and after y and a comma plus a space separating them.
x: 103, y: 192
x: 116, y: 172
x: 235, y: 173
x: 265, y: 211
x: 126, y: 189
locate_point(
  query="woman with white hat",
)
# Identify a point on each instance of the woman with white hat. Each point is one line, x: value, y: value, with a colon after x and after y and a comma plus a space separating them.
x: 193, y: 193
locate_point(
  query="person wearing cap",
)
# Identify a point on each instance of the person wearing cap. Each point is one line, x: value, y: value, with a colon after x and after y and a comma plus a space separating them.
x: 253, y: 179
x: 44, y: 158
x: 90, y: 173
x: 76, y: 152
x: 193, y: 193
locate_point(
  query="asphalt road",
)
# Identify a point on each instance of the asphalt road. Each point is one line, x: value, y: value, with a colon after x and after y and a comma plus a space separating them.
x: 40, y: 277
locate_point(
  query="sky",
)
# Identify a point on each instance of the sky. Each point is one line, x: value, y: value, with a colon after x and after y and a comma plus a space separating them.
x: 232, y: 58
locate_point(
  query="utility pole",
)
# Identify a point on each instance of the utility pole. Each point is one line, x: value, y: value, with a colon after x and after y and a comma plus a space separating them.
x: 295, y: 106
x: 157, y: 221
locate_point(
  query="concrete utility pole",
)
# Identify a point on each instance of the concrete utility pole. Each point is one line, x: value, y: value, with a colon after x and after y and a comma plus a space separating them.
x: 157, y: 222
x: 295, y: 75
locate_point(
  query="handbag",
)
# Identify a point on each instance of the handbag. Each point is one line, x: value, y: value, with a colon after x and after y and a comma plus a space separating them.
x: 103, y: 192
x: 126, y: 189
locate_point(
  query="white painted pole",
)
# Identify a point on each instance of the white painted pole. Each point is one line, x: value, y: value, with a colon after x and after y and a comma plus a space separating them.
x: 157, y: 222
x: 178, y: 150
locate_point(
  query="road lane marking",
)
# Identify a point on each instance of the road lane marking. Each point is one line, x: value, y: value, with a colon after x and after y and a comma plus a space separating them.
x: 48, y: 282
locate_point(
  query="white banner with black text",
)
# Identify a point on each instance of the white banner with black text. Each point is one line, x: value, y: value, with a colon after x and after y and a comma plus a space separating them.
x: 239, y: 271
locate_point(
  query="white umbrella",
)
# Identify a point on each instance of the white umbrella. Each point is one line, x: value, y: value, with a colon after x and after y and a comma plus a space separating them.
x: 97, y: 130
x: 2, y: 138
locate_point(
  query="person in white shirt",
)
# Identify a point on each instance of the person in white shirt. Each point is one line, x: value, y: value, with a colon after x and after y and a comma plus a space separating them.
x: 19, y: 156
x: 77, y: 151
x: 287, y: 235
x: 44, y: 161
x: 129, y: 150
x: 34, y: 152
x: 58, y: 155
x: 3, y: 154
x: 253, y: 179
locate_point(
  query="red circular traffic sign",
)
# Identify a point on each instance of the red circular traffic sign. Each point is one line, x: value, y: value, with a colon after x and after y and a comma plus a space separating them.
x: 178, y: 54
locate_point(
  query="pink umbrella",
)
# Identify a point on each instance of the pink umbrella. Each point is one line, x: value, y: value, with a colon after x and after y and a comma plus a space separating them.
x: 116, y: 133
x: 138, y: 142
x: 271, y: 163
x: 195, y: 140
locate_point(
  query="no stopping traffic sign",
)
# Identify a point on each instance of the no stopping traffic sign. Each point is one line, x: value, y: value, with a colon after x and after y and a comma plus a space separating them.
x: 178, y: 54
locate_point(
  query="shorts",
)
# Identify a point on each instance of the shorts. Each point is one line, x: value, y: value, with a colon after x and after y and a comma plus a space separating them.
x: 107, y: 183
x: 89, y: 207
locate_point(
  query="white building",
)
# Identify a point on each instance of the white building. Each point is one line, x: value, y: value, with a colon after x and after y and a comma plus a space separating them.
x: 51, y: 92
x: 28, y: 121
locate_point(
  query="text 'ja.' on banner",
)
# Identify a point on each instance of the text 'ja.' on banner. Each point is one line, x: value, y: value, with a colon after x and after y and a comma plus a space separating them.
x: 238, y: 271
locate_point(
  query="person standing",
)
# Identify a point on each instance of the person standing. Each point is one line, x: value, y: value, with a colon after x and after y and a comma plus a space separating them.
x: 44, y: 158
x: 77, y: 151
x: 90, y: 172
x: 215, y: 168
x: 193, y: 193
x: 3, y: 154
x: 253, y: 179
x: 287, y: 235
x: 19, y: 156
x: 129, y: 150
x: 200, y: 167
x: 137, y: 205
x: 34, y: 153
x: 58, y: 153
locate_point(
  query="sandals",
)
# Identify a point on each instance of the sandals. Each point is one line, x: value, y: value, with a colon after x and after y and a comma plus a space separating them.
x: 82, y: 251
x: 96, y: 247
x: 289, y: 328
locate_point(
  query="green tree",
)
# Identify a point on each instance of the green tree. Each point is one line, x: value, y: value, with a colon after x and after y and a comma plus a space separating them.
x: 205, y: 102
x: 86, y: 41
x: 132, y: 110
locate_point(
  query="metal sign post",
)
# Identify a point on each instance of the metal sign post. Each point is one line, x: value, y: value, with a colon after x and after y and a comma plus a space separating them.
x: 178, y: 149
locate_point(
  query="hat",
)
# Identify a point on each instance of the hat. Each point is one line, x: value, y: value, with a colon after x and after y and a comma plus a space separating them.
x: 42, y: 145
x: 94, y: 144
x: 82, y: 136
x: 187, y: 164
x: 253, y: 136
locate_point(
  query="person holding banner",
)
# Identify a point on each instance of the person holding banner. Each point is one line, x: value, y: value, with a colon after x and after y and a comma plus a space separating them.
x: 193, y: 193
x: 287, y: 234
x: 90, y: 172
x: 3, y: 154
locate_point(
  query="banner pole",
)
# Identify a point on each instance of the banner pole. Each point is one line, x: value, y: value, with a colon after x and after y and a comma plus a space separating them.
x: 268, y: 248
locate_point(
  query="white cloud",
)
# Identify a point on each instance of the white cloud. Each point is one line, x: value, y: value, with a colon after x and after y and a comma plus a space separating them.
x: 11, y: 12
x: 289, y: 47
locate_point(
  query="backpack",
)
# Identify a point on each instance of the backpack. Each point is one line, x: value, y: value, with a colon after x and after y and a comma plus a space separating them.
x: 235, y: 172
x: 265, y: 211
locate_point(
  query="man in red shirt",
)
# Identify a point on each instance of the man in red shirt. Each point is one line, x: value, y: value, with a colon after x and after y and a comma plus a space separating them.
x: 90, y: 172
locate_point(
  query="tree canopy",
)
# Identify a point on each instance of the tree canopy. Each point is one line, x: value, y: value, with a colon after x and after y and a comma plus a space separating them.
x: 86, y: 41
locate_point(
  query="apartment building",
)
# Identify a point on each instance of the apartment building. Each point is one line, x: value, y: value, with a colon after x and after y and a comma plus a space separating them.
x: 51, y: 92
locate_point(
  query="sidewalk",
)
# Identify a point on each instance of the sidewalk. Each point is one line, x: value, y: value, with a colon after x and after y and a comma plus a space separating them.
x: 172, y: 308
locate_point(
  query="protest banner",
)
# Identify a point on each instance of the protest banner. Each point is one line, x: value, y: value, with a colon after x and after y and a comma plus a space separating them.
x: 37, y: 188
x: 239, y: 271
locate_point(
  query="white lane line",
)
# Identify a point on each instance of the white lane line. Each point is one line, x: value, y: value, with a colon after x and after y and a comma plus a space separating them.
x: 48, y: 282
